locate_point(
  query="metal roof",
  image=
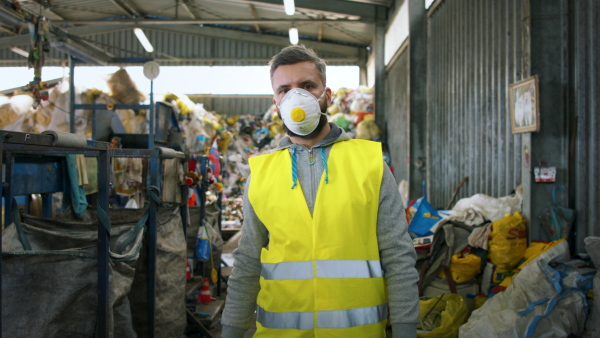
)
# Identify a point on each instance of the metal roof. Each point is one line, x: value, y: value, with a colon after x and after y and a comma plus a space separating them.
x: 194, y: 31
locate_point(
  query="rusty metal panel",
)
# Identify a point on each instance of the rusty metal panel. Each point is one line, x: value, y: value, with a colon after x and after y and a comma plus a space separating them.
x: 397, y: 91
x: 473, y: 55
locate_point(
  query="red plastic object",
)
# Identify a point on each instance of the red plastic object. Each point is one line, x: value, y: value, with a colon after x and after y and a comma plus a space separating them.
x: 188, y: 270
x: 204, y: 296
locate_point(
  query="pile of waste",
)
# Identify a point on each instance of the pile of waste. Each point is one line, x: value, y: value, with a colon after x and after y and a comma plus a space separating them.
x: 500, y: 286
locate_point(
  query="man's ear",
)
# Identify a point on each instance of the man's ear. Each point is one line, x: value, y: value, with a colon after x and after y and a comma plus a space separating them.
x: 329, y: 95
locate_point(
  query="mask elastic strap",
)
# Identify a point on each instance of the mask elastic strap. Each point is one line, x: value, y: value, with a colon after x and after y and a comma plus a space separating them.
x: 324, y: 91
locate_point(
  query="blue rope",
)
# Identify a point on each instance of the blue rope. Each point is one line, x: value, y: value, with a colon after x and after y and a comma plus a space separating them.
x: 325, y: 165
x: 140, y: 223
x: 16, y: 214
x: 154, y: 193
x: 103, y: 218
x: 294, y: 168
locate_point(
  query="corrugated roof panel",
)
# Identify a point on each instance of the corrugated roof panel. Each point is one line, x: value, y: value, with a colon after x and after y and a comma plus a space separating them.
x: 86, y: 9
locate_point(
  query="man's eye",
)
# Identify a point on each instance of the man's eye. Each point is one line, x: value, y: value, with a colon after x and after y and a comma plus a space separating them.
x: 284, y: 90
x: 308, y: 86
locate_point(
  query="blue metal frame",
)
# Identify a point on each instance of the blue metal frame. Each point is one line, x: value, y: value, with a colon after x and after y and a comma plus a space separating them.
x: 152, y: 220
x: 154, y: 166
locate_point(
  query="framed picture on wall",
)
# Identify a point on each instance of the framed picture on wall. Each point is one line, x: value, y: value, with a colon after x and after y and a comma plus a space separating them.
x: 525, y: 105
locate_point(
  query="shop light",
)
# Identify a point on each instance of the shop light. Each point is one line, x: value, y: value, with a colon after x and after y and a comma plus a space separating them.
x: 143, y: 40
x: 289, y: 6
x: 19, y: 51
x: 294, y: 35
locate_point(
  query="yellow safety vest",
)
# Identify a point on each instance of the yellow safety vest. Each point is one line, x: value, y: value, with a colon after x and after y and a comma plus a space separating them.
x: 321, y: 274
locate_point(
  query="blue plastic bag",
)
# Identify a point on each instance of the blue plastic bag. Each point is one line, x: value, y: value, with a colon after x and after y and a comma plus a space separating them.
x: 557, y: 219
x: 425, y: 217
x: 202, y: 250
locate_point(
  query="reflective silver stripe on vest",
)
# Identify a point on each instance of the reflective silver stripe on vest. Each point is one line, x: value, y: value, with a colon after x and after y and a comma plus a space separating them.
x: 349, y: 269
x: 285, y: 320
x: 325, y: 269
x: 287, y: 270
x: 342, y: 319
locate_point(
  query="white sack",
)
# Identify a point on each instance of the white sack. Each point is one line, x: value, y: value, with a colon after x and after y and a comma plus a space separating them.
x: 592, y: 326
x: 468, y: 209
x: 562, y: 304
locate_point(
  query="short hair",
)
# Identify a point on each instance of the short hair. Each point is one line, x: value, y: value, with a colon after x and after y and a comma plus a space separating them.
x: 298, y: 53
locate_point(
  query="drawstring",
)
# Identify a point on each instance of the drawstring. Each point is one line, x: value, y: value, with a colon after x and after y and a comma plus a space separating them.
x: 294, y: 168
x: 325, y: 165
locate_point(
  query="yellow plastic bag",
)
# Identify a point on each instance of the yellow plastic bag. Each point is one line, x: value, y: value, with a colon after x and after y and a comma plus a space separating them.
x: 533, y: 251
x: 440, y: 317
x: 537, y: 248
x: 463, y: 268
x: 508, y: 241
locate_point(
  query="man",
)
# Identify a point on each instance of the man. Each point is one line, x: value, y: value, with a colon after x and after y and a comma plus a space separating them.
x: 324, y: 245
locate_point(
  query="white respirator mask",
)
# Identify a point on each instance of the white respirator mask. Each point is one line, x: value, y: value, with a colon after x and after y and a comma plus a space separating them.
x: 300, y: 111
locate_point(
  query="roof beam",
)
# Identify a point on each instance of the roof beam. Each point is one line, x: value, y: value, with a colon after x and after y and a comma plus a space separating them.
x: 203, y: 21
x: 132, y: 8
x: 48, y: 7
x: 320, y: 33
x: 219, y: 33
x: 6, y: 30
x: 127, y: 8
x: 122, y: 8
x: 385, y: 3
x: 23, y: 39
x: 186, y: 5
x: 365, y: 11
x: 96, y: 29
x: 254, y: 15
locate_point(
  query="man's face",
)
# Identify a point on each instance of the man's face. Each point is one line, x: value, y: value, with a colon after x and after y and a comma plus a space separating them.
x: 299, y: 75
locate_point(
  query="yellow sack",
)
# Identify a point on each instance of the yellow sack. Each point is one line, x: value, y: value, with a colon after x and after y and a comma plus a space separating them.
x: 537, y: 248
x: 508, y: 241
x: 463, y: 268
x: 533, y: 251
x: 440, y: 317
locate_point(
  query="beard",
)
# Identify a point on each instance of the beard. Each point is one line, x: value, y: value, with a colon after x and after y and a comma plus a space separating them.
x: 322, y: 123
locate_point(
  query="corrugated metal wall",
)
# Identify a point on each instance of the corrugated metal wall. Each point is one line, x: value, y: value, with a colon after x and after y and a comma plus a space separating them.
x: 230, y: 105
x: 396, y: 115
x: 586, y: 62
x: 474, y: 53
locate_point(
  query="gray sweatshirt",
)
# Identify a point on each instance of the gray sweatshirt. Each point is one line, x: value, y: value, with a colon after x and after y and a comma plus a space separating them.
x: 395, y: 248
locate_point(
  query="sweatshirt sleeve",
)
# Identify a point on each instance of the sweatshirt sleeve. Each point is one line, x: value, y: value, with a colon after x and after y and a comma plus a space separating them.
x: 243, y: 284
x: 397, y: 259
